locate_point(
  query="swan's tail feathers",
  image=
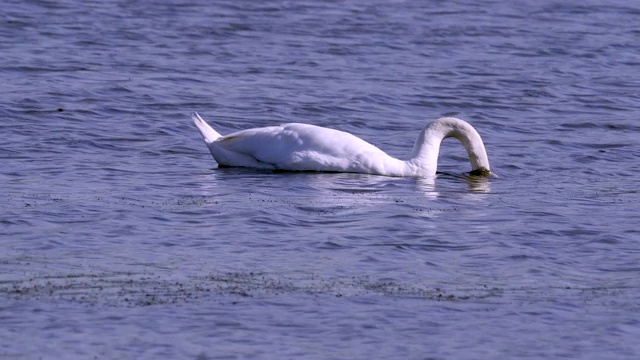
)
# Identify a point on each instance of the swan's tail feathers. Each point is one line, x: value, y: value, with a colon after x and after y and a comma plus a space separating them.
x: 208, y: 134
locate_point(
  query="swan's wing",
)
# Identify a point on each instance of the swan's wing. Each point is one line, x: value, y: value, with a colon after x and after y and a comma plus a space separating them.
x: 301, y: 147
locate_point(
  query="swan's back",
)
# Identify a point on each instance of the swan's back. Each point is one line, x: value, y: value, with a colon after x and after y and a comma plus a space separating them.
x: 297, y: 146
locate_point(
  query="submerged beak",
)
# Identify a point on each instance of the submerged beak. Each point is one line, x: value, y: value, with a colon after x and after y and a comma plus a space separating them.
x: 482, y: 172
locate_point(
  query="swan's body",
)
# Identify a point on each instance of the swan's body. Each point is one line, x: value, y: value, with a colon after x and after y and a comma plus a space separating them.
x: 303, y: 147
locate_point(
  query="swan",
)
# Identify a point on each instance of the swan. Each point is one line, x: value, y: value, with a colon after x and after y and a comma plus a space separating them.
x: 304, y: 147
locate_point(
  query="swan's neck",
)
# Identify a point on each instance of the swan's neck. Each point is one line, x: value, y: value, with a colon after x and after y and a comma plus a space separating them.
x: 424, y: 159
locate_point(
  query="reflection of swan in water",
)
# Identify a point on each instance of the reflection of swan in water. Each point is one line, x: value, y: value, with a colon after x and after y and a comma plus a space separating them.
x: 303, y: 147
x: 476, y: 187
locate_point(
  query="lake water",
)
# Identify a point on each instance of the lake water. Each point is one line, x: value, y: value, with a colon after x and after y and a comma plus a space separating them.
x: 120, y: 237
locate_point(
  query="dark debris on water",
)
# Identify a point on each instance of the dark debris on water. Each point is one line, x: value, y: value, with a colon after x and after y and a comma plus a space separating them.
x: 128, y: 289
x: 135, y: 290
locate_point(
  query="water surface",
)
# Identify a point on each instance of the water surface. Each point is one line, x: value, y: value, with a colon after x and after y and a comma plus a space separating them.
x: 121, y: 238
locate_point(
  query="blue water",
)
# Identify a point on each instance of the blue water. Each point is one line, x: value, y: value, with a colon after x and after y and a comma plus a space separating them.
x: 120, y: 237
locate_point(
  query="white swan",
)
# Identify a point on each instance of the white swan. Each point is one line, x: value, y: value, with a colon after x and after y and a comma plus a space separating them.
x: 303, y: 147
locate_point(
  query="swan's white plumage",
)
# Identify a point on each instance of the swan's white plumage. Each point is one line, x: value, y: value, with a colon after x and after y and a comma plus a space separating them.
x: 304, y: 147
